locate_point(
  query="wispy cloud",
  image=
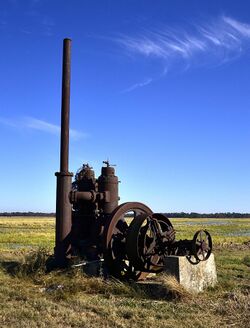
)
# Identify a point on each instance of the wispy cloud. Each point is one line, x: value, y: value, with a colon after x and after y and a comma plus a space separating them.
x: 241, y: 28
x: 8, y: 122
x: 212, y: 43
x: 40, y: 125
x: 137, y: 85
x: 44, y: 126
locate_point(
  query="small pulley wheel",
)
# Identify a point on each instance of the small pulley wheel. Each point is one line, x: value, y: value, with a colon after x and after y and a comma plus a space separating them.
x: 202, y: 245
x: 147, y: 242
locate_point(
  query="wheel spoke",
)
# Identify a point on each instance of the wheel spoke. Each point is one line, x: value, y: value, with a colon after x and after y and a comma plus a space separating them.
x: 201, y: 236
x: 122, y: 226
x: 202, y: 245
x: 115, y: 234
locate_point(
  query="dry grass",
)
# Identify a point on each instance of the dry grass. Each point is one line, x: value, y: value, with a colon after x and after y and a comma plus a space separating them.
x: 29, y: 297
x: 68, y: 298
x: 173, y: 288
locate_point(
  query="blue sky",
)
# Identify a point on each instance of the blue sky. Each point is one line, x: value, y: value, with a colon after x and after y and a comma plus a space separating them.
x: 161, y: 88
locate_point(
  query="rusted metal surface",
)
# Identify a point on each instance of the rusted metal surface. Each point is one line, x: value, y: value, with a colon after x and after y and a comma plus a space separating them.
x: 151, y: 238
x: 108, y: 181
x: 64, y: 178
x: 115, y: 240
x: 93, y: 202
x: 202, y: 245
x: 147, y: 241
x: 63, y: 219
x: 130, y: 239
x: 64, y: 160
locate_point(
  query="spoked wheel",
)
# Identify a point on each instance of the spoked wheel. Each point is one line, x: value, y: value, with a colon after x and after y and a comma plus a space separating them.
x: 202, y: 245
x: 115, y: 234
x: 147, y: 242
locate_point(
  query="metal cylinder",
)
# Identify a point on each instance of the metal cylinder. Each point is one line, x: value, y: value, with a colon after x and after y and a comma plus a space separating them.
x: 84, y: 196
x: 64, y: 178
x: 63, y: 218
x: 108, y: 182
x: 64, y: 154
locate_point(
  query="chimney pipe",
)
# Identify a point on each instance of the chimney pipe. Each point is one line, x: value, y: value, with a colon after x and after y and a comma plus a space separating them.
x: 64, y: 177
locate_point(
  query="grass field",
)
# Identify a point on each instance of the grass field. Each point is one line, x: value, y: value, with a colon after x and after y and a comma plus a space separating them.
x: 31, y: 298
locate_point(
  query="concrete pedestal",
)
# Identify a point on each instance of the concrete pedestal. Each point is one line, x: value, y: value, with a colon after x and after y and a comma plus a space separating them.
x: 193, y: 277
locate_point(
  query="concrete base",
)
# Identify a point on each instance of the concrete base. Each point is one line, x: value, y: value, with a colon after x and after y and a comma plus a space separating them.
x: 193, y: 277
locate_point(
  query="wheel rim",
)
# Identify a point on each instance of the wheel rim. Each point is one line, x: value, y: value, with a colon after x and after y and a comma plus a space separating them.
x: 202, y: 245
x: 115, y: 234
x: 147, y: 242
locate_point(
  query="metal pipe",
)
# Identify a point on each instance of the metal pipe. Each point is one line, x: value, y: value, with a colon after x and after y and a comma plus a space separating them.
x: 65, y: 105
x: 85, y: 196
x: 64, y: 178
x: 89, y: 196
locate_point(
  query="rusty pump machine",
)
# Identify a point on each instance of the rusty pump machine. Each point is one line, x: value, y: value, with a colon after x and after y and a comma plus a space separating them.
x: 90, y: 225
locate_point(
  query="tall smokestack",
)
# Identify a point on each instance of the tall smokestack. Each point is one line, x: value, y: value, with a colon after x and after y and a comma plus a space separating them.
x: 64, y: 177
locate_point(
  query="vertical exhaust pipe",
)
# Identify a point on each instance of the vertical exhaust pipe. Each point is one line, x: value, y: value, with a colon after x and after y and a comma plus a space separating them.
x: 64, y: 177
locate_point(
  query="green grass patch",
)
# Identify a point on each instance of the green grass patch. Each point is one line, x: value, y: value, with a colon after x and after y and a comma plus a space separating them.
x: 222, y: 230
x: 30, y: 297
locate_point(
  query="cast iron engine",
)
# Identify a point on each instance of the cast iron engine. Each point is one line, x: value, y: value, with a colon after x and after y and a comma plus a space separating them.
x: 130, y: 239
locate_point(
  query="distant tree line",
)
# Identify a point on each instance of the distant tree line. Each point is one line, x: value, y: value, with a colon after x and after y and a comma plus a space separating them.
x: 39, y: 214
x: 170, y: 215
x: 208, y: 215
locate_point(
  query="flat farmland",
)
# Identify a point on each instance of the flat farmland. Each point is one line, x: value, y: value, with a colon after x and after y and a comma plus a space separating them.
x: 26, y: 233
x: 29, y: 297
x: 29, y: 232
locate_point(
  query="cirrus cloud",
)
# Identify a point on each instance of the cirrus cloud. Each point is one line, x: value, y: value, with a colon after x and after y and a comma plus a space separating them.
x: 210, y: 43
x: 40, y: 125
